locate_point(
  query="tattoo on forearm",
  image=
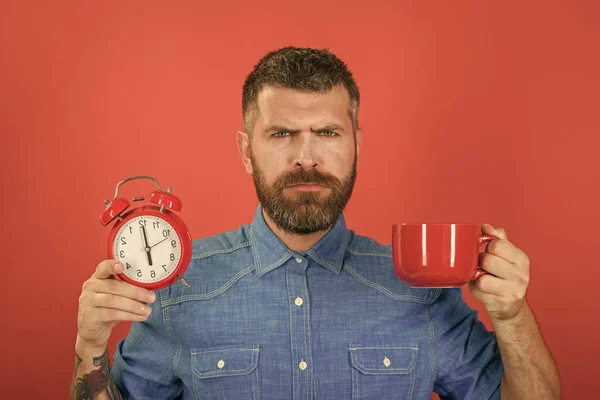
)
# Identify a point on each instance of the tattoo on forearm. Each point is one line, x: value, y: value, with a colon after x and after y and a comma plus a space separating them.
x: 96, y: 382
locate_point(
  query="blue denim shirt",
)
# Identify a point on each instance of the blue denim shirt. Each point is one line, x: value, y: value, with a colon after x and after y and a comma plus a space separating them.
x: 334, y: 322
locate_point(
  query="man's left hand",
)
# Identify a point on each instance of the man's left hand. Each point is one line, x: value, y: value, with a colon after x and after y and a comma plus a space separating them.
x: 503, y: 289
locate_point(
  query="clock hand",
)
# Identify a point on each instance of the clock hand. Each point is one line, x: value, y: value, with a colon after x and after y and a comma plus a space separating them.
x: 159, y: 242
x: 146, y: 248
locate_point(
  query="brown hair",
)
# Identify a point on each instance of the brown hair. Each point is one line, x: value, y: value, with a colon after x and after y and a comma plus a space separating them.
x: 303, y: 69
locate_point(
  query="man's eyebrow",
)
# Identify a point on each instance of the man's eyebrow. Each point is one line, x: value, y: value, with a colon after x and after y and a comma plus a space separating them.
x: 324, y: 128
x: 328, y: 128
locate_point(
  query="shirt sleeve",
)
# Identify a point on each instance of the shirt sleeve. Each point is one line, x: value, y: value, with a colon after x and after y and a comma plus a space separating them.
x: 145, y: 361
x: 466, y: 354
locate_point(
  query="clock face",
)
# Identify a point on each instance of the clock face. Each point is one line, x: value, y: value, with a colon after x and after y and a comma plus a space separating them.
x: 148, y: 247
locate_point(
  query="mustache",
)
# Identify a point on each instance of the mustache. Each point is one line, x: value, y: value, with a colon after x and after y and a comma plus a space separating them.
x: 305, y: 176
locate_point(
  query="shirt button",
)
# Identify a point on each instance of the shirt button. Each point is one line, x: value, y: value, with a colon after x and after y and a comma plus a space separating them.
x: 220, y: 364
x: 299, y: 301
x: 302, y: 365
x: 386, y: 362
x: 298, y: 260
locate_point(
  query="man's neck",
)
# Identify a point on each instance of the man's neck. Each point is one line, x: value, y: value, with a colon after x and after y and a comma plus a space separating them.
x: 298, y: 243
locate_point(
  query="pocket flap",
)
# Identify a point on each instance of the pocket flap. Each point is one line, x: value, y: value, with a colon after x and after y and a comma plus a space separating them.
x: 383, y: 360
x: 210, y: 363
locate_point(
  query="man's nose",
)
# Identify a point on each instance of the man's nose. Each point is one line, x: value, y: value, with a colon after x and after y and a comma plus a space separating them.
x: 306, y: 151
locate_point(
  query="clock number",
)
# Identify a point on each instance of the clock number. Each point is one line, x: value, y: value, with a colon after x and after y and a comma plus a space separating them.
x: 166, y: 233
x: 173, y: 243
x: 172, y: 257
x: 152, y: 273
x: 128, y: 266
x: 123, y: 240
x: 165, y: 267
x: 139, y: 273
x: 143, y: 222
x: 130, y: 229
x: 155, y: 225
x: 122, y: 253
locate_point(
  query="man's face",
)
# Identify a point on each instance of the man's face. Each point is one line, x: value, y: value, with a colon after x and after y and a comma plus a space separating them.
x: 302, y: 155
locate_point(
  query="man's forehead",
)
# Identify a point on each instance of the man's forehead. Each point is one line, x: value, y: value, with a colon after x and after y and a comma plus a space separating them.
x: 274, y: 102
x: 270, y: 93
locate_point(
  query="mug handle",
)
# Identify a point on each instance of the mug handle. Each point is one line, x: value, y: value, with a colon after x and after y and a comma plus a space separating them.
x: 481, y: 240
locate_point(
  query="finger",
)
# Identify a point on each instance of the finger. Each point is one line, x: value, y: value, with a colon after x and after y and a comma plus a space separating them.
x: 488, y: 229
x: 497, y: 266
x: 104, y: 300
x: 485, y: 298
x: 504, y: 249
x: 107, y: 268
x: 125, y: 289
x: 507, y: 251
x: 112, y: 315
x: 489, y: 284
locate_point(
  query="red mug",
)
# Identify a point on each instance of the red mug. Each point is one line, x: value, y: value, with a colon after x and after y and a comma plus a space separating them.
x: 437, y: 255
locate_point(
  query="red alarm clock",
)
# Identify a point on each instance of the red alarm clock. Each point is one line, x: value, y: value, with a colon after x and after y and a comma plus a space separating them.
x: 151, y: 241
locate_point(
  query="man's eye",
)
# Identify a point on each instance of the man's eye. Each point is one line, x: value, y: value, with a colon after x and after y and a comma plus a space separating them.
x: 328, y: 133
x: 281, y: 134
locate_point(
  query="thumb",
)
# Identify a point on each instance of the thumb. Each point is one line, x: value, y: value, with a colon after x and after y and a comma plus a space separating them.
x: 491, y: 230
x: 107, y: 268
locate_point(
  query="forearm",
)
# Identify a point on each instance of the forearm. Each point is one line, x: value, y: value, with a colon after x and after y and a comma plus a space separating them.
x: 529, y: 369
x: 91, y: 375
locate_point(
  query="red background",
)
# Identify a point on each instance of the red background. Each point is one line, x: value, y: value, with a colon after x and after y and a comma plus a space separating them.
x: 472, y: 112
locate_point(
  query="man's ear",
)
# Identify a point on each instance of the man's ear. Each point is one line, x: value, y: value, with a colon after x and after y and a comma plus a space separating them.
x: 359, y: 135
x: 243, y: 144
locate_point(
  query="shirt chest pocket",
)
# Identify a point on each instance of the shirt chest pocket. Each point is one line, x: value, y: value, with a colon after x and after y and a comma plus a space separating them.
x: 227, y: 373
x: 383, y: 372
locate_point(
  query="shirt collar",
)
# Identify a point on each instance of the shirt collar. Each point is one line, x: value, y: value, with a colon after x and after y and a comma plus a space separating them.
x: 270, y: 252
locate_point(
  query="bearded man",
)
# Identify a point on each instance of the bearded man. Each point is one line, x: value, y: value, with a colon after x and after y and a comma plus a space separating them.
x: 297, y: 306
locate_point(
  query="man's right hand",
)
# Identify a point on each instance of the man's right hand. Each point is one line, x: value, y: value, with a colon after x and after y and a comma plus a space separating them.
x: 104, y: 302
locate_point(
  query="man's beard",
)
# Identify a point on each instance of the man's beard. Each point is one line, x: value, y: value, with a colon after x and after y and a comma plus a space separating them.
x: 304, y: 212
